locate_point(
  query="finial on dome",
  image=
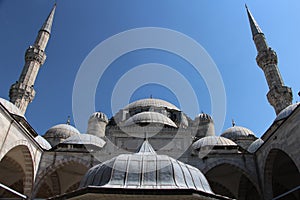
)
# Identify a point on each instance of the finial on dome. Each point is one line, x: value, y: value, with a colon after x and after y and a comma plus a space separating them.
x: 150, y: 96
x: 233, y: 122
x: 68, y: 120
x: 145, y: 136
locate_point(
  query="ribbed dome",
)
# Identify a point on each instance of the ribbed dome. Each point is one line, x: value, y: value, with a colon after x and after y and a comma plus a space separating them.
x: 237, y: 132
x: 85, y: 139
x: 60, y: 132
x: 11, y: 107
x: 43, y: 142
x: 211, y: 141
x: 286, y: 112
x: 255, y: 145
x: 99, y: 116
x: 149, y: 117
x: 145, y: 170
x: 151, y: 103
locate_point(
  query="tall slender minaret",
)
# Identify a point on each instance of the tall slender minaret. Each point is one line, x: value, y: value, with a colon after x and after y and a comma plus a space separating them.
x: 279, y: 95
x: 22, y: 93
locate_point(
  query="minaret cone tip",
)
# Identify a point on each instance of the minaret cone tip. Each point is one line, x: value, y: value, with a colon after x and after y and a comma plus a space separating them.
x: 48, y: 23
x: 255, y: 29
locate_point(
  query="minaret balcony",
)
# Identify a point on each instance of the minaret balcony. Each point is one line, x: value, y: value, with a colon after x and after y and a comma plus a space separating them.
x: 20, y: 90
x: 35, y: 54
x: 267, y: 57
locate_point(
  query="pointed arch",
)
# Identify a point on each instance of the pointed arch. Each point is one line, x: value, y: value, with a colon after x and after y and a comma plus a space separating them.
x: 280, y: 175
x: 230, y: 176
x: 72, y: 169
x: 18, y: 160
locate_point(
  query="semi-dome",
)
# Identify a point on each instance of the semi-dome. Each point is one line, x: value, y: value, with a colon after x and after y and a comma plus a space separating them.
x: 149, y: 117
x: 151, y: 103
x: 212, y: 141
x: 286, y: 112
x: 99, y: 116
x: 43, y: 142
x: 145, y: 170
x: 85, y: 139
x: 237, y: 132
x: 60, y: 132
x: 12, y: 108
x: 255, y: 145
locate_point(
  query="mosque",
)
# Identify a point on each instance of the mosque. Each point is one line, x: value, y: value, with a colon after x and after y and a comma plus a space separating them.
x: 150, y: 149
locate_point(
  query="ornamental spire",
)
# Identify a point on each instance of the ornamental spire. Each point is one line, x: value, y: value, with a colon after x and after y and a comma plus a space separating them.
x: 255, y: 29
x: 48, y: 23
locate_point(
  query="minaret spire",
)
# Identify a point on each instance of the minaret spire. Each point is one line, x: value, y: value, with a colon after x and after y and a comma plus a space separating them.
x: 48, y: 23
x: 279, y: 95
x: 22, y: 92
x: 255, y: 29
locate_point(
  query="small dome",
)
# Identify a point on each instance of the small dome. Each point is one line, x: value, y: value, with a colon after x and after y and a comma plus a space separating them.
x: 11, y: 107
x: 211, y: 141
x: 146, y: 170
x: 151, y: 103
x: 99, y: 116
x: 237, y: 132
x: 149, y: 117
x: 286, y: 112
x: 85, y: 139
x: 60, y: 132
x: 43, y: 142
x: 204, y: 117
x: 255, y: 145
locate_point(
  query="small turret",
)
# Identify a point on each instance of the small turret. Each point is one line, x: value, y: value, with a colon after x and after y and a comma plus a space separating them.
x: 204, y: 126
x: 97, y: 124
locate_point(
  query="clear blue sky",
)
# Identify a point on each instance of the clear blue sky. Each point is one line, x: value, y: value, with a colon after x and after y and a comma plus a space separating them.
x: 221, y: 27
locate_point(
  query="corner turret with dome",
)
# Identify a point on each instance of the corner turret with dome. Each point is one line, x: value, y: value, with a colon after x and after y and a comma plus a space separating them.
x: 97, y: 124
x: 204, y: 126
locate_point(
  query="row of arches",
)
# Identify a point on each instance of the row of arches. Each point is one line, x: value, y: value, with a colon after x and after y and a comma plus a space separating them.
x: 281, y: 178
x: 281, y: 175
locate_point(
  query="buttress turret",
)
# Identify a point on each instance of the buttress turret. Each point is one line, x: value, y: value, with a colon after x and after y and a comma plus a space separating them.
x: 97, y: 124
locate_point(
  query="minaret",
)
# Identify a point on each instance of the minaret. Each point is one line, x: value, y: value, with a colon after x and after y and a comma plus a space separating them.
x: 22, y: 93
x: 279, y: 95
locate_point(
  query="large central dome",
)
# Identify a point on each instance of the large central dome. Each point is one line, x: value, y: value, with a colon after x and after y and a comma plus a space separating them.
x: 151, y: 103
